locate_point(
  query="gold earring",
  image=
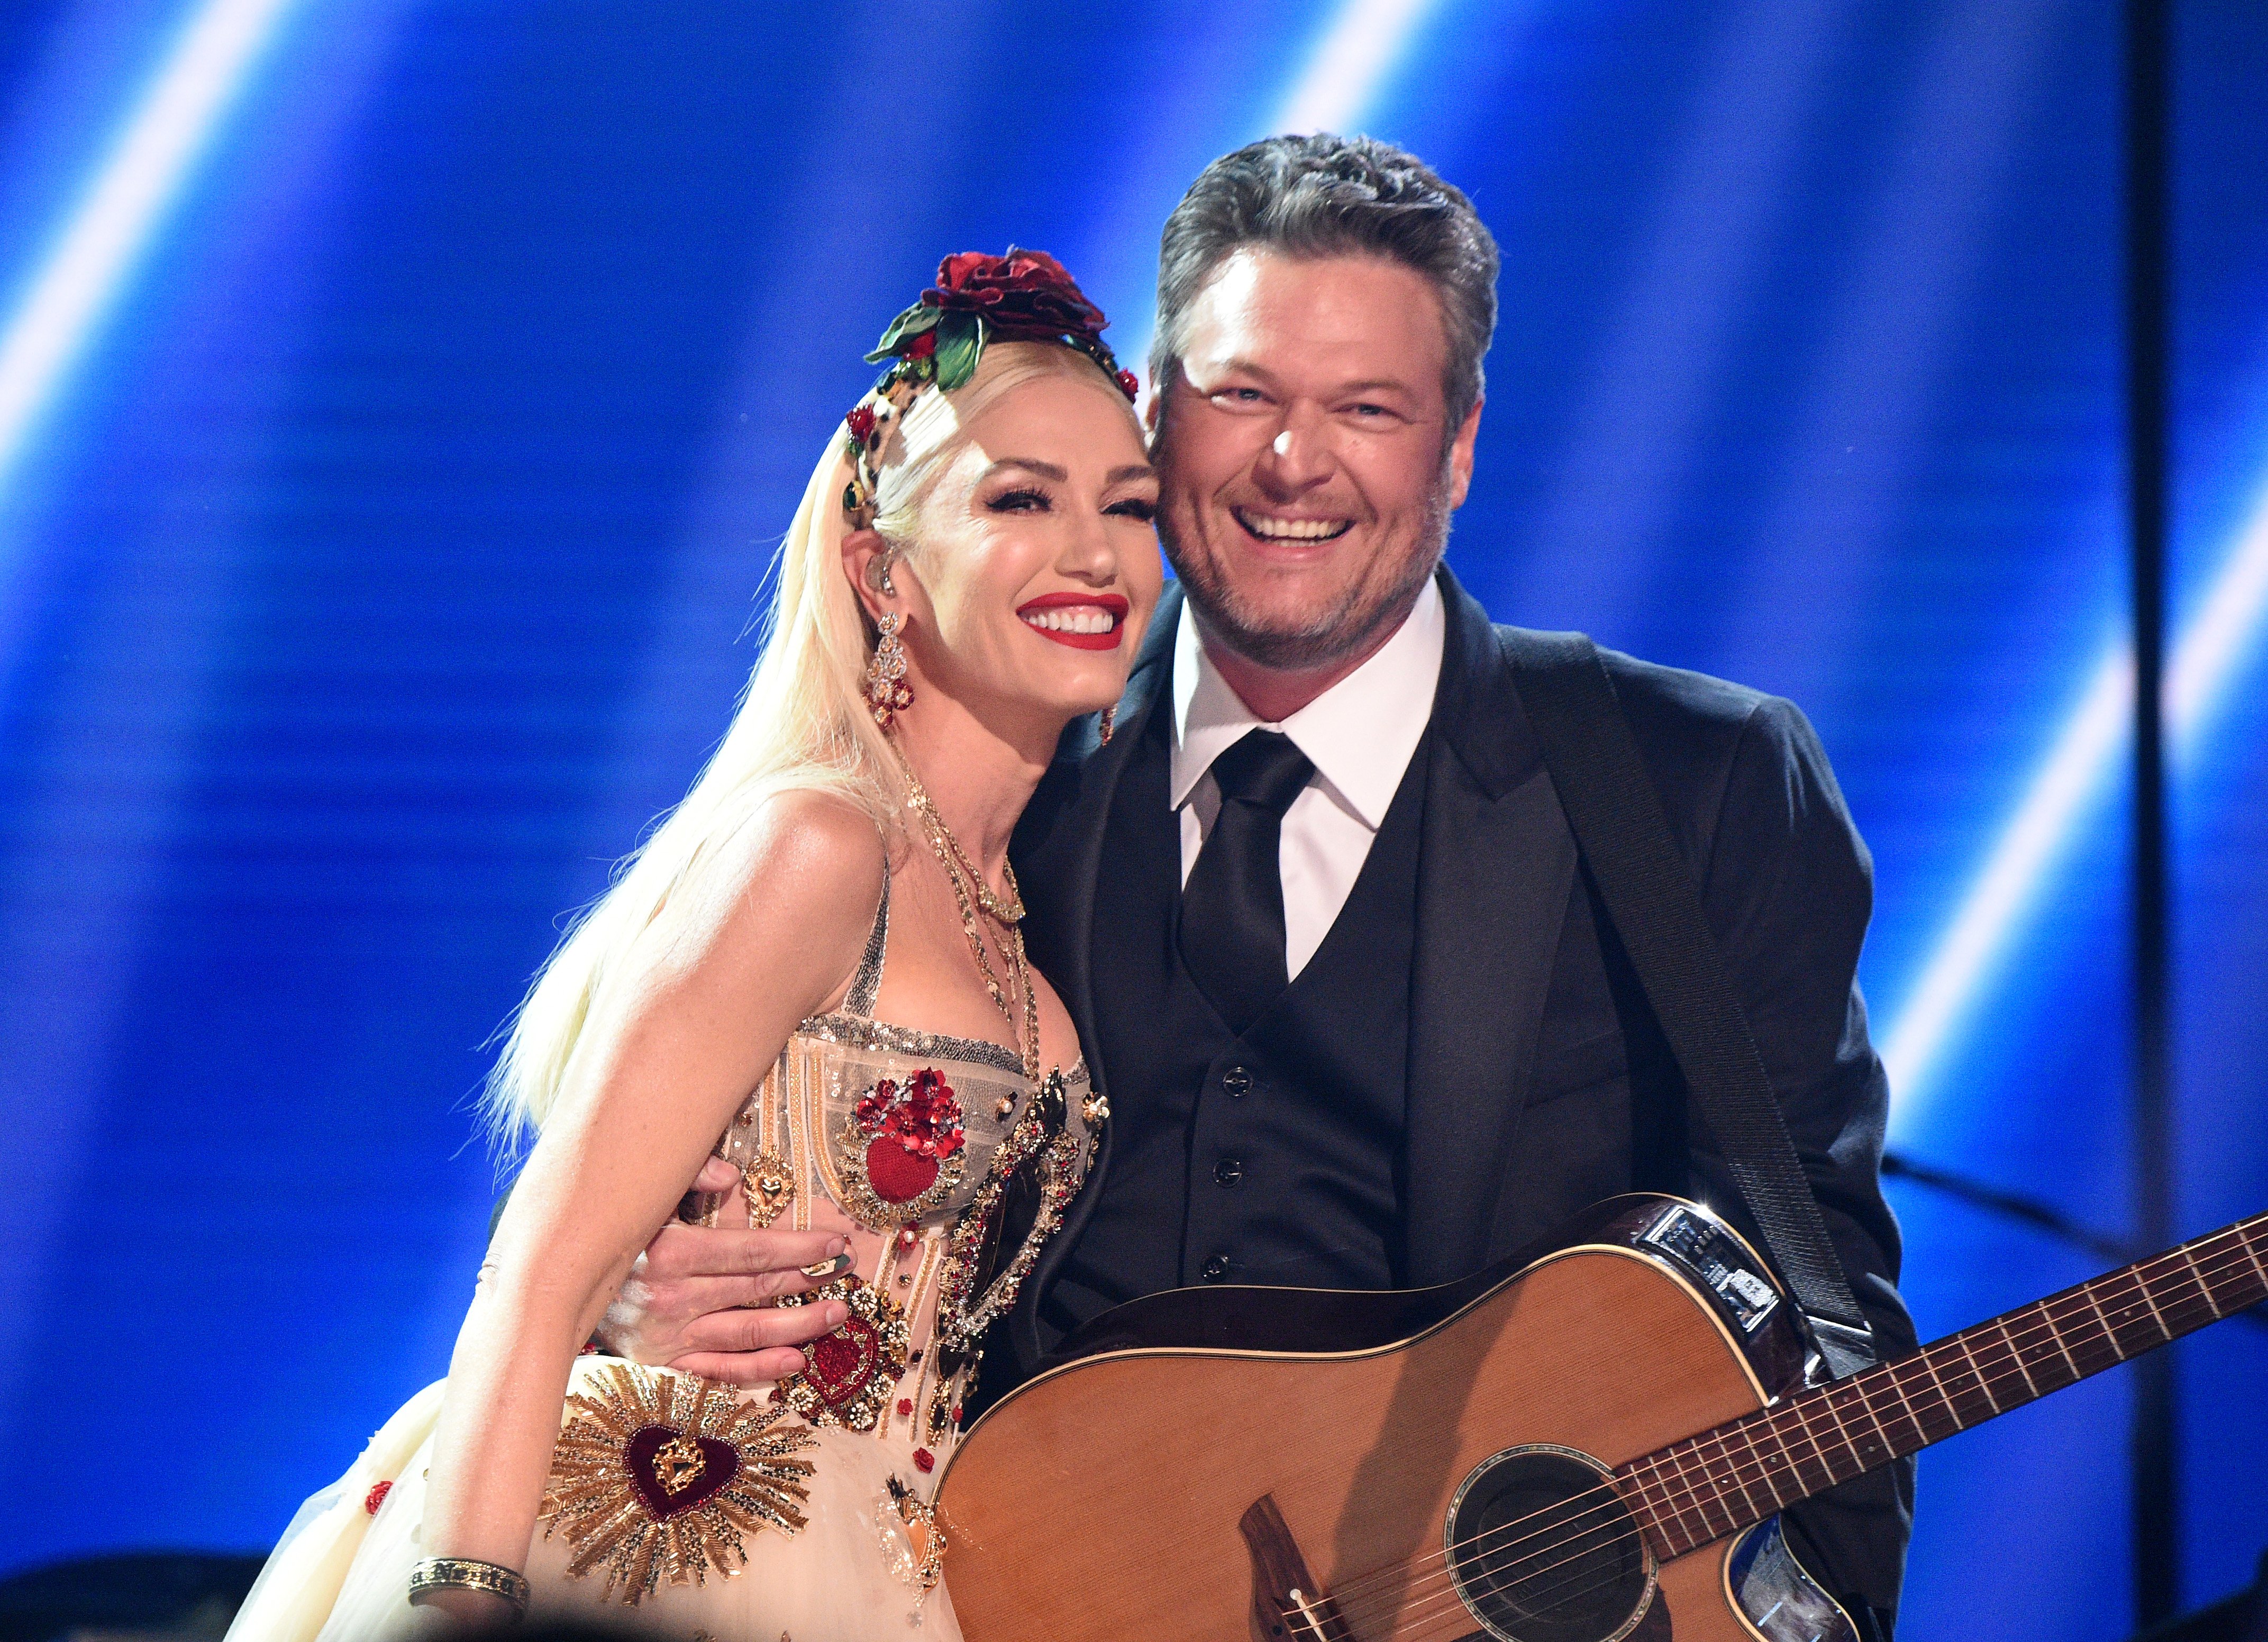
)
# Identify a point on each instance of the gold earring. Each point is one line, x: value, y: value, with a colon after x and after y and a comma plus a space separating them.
x: 888, y: 693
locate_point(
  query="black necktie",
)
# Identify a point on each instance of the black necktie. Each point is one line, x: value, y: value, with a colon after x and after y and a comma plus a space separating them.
x: 1233, y: 906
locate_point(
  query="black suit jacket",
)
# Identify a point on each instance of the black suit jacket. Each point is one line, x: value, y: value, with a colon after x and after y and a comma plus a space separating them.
x: 1538, y: 1081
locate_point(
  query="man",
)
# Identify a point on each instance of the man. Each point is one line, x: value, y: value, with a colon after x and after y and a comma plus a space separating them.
x: 1360, y: 1016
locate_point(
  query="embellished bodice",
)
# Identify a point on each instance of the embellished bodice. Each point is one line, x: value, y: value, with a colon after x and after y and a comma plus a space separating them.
x: 954, y: 1167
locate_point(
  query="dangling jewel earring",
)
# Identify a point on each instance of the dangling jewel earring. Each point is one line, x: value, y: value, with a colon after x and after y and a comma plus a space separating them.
x: 1109, y: 722
x: 888, y: 693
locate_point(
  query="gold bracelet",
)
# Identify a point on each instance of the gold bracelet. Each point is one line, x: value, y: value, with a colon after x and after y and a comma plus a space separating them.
x: 462, y: 1573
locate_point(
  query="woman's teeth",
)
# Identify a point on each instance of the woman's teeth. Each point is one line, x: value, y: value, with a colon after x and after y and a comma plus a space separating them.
x: 1073, y: 619
x: 1291, y: 529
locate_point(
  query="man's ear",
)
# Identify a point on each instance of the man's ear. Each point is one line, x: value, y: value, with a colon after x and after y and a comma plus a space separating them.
x: 1153, y: 410
x: 1461, y: 456
x: 864, y: 552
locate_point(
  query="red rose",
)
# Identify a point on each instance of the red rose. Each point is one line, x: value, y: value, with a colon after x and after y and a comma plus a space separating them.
x: 1129, y: 385
x: 861, y: 420
x: 1025, y: 296
x: 922, y: 346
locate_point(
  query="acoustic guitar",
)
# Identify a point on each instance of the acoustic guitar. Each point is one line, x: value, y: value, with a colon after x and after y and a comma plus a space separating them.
x: 1588, y: 1442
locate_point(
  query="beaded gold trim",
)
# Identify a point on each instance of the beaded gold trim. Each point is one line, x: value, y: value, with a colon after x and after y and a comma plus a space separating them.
x: 963, y: 1314
x: 858, y: 1032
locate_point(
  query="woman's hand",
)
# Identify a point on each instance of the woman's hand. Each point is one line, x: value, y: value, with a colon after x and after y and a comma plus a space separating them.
x: 699, y: 1298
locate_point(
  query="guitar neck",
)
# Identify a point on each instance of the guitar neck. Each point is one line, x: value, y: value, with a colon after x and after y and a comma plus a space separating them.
x: 1697, y: 1492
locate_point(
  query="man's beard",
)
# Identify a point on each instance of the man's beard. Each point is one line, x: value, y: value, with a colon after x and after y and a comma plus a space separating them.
x: 1348, y: 628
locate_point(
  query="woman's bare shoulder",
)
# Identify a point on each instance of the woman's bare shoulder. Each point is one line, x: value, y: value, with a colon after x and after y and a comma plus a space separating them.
x: 804, y: 885
x: 814, y: 852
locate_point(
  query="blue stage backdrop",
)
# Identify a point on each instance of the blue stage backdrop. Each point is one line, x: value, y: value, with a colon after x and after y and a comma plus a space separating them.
x: 395, y: 423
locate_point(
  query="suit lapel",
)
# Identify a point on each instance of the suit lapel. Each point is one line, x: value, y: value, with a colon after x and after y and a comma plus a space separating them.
x: 1496, y: 867
x: 1058, y: 848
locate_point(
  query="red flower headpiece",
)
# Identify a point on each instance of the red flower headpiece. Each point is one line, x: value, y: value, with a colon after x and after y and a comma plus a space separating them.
x: 1025, y: 296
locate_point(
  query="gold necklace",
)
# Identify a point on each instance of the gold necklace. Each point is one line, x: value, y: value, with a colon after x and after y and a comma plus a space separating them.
x: 1010, y: 910
x: 967, y: 886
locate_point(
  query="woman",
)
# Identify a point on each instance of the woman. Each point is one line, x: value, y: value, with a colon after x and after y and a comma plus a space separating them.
x: 817, y: 958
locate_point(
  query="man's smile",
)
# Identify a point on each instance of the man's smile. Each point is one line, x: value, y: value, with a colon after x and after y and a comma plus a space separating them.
x: 1284, y: 527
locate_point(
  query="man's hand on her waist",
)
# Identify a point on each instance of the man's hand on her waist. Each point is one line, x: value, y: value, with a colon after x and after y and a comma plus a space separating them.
x: 700, y: 1298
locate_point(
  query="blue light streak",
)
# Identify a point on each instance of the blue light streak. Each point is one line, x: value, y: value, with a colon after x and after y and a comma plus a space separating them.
x: 2063, y: 793
x: 114, y: 223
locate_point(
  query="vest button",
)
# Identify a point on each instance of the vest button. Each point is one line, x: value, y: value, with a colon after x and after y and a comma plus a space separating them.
x: 1227, y: 1172
x: 1237, y: 1081
x: 1216, y: 1269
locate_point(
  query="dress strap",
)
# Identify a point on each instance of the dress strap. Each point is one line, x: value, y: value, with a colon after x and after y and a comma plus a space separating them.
x: 866, y: 982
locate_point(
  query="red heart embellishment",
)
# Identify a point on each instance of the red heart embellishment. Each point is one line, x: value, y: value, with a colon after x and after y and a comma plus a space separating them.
x: 842, y: 1362
x: 896, y: 1174
x: 675, y: 1471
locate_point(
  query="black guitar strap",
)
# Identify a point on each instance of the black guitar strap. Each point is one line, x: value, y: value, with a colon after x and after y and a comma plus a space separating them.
x: 1615, y: 813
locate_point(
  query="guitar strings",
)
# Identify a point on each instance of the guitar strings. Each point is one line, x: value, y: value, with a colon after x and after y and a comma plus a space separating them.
x: 1497, y: 1578
x: 1896, y: 1380
x: 1897, y: 1377
x: 1437, y: 1604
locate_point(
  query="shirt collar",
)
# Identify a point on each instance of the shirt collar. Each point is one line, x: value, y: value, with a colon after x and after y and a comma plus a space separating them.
x: 1360, y: 733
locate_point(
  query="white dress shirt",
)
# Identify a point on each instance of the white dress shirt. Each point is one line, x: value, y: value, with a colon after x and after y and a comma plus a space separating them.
x: 1359, y: 734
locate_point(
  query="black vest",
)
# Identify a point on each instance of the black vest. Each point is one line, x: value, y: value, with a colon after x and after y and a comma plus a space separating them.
x: 1271, y: 1158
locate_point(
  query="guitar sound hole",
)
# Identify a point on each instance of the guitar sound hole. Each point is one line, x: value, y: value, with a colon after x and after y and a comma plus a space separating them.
x: 1542, y: 1549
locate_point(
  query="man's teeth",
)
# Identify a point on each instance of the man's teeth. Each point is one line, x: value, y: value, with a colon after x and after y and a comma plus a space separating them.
x: 1290, y: 529
x: 1083, y: 618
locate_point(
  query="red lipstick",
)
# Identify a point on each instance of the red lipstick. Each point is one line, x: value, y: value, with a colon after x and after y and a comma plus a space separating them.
x: 1109, y: 603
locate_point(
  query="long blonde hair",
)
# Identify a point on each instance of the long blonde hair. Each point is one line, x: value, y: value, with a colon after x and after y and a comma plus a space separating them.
x: 801, y: 724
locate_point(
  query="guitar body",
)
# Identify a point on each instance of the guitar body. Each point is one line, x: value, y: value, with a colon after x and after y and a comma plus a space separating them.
x: 1114, y: 1496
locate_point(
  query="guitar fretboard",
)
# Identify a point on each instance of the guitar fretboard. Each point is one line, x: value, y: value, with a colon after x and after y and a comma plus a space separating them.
x: 1697, y: 1492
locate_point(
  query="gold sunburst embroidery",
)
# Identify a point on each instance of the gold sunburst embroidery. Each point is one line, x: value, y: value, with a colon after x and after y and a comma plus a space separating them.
x: 659, y: 1476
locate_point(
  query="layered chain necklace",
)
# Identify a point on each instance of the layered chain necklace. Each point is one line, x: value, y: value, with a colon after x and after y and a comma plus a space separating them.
x: 971, y: 893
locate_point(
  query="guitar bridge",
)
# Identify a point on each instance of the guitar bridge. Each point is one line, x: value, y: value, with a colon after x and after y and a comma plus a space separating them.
x: 1286, y: 1604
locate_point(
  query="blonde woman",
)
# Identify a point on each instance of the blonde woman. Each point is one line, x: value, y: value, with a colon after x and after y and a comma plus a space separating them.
x: 817, y: 959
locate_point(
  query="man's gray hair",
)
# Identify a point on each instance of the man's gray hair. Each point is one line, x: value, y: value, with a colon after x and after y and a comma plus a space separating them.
x: 1321, y: 196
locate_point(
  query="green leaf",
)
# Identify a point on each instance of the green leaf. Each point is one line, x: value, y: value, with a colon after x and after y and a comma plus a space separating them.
x: 912, y: 322
x: 959, y: 344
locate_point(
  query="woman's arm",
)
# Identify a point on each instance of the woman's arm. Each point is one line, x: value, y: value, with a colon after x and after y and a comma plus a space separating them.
x: 707, y: 1002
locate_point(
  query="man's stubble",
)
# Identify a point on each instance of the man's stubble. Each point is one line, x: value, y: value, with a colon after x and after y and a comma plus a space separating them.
x: 1357, y: 622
